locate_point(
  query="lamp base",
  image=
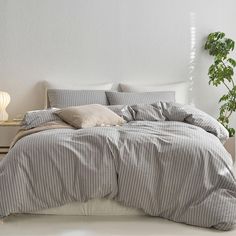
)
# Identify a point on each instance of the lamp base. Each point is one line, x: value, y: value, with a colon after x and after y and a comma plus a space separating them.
x: 3, y: 116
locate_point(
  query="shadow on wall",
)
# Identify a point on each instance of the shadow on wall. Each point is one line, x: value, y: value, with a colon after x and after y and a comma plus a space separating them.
x: 21, y: 103
x: 198, y: 72
x: 38, y: 91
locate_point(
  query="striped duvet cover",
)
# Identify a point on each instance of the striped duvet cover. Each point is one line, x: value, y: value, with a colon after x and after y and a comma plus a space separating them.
x: 173, y: 168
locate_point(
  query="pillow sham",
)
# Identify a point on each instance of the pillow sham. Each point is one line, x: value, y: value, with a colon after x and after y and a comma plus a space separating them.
x: 89, y: 116
x: 36, y: 118
x: 77, y: 86
x: 121, y: 98
x: 73, y: 86
x: 122, y: 111
x: 62, y: 98
x: 181, y: 89
x: 150, y: 112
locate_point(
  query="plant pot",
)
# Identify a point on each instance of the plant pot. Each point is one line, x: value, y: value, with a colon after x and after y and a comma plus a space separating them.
x: 230, y: 147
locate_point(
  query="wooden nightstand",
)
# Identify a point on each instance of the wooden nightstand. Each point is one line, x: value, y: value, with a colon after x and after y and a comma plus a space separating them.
x: 8, y: 130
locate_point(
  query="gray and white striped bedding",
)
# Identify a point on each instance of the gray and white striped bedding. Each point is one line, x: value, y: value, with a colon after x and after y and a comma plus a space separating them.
x: 123, y: 111
x: 168, y: 168
x: 62, y: 98
x: 36, y: 118
x: 122, y: 98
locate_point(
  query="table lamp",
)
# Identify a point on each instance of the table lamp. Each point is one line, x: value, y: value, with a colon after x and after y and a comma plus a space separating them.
x: 4, y: 101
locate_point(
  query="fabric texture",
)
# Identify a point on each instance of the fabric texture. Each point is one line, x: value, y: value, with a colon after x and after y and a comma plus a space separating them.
x: 196, y: 117
x: 72, y: 86
x: 150, y: 112
x: 61, y: 98
x: 89, y: 116
x: 122, y: 111
x: 56, y: 124
x: 181, y: 89
x: 171, y: 169
x: 120, y: 98
x: 94, y: 207
x: 36, y: 118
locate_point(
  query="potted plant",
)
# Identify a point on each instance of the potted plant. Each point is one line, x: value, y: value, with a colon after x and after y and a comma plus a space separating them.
x: 221, y: 72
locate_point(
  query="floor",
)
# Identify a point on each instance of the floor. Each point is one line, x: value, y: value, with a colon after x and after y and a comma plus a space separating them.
x: 37, y: 225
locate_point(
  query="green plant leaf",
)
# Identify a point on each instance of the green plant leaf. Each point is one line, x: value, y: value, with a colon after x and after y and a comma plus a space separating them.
x: 221, y: 72
x: 232, y: 62
x: 224, y: 98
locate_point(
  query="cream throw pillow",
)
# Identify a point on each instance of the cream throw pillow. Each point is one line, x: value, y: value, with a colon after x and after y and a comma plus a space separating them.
x: 89, y: 116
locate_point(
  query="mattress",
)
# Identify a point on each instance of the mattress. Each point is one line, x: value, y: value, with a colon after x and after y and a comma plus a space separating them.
x: 95, y: 207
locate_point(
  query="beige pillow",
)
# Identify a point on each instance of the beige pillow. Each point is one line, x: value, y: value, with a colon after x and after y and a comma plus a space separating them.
x: 89, y: 116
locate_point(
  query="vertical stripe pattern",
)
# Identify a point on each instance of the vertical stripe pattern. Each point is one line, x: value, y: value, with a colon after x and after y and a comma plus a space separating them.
x: 169, y: 169
x: 121, y: 98
x: 62, y: 98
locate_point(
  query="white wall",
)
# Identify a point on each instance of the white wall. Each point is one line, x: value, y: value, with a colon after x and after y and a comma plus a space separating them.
x: 95, y: 41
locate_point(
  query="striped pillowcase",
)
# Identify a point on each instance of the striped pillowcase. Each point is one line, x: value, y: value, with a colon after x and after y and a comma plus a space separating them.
x: 61, y: 98
x: 121, y: 98
x: 122, y: 111
x: 150, y: 112
x: 36, y: 118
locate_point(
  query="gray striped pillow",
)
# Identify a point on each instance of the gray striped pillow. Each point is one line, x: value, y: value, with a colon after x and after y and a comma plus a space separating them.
x: 121, y: 98
x: 150, y: 112
x: 61, y: 98
x: 34, y: 119
x: 122, y: 111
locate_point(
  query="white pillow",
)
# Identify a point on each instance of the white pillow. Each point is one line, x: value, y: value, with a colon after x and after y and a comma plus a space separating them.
x: 73, y: 86
x: 77, y: 86
x: 181, y: 90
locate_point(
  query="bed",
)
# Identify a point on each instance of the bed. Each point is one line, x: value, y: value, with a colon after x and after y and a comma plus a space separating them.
x: 166, y: 160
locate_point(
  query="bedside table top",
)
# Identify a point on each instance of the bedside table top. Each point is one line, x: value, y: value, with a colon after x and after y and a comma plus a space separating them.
x: 10, y: 123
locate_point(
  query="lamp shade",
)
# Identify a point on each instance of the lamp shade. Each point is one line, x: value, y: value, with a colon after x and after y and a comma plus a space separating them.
x: 4, y: 101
